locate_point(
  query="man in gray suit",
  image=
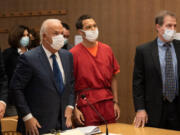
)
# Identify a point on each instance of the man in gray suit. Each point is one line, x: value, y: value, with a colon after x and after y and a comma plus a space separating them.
x: 43, y: 84
x: 156, y: 77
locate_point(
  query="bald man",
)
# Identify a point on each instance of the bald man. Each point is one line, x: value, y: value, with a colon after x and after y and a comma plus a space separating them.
x: 43, y: 84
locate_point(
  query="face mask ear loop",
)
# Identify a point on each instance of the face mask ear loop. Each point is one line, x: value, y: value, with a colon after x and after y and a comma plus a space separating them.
x: 83, y: 32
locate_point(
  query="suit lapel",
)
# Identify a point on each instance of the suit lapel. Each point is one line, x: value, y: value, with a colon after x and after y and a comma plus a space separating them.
x: 177, y: 50
x: 155, y: 56
x: 46, y: 65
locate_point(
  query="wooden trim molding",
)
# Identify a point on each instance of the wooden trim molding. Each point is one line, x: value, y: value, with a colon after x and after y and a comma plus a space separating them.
x: 30, y: 14
x: 4, y: 30
x: 33, y: 13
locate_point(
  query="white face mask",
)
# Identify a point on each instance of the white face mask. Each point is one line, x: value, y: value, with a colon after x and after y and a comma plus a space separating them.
x: 169, y: 34
x: 57, y: 42
x: 91, y: 35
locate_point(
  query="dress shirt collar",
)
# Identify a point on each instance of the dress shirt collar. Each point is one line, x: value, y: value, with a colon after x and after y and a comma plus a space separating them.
x: 161, y: 43
x: 20, y: 51
x: 48, y: 53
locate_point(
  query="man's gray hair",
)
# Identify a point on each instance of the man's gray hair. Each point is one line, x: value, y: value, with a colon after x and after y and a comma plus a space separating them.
x: 44, y: 27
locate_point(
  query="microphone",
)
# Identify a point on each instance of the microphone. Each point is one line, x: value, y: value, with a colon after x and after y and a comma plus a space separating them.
x: 92, y: 107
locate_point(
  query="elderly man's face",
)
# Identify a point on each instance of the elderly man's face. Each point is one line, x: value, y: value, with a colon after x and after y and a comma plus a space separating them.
x: 53, y: 29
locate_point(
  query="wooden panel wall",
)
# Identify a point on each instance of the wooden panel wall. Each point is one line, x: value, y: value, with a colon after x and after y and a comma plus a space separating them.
x: 123, y: 24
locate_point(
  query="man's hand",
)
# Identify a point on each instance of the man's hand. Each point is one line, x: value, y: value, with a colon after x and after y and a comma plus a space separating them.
x: 116, y: 111
x: 141, y: 118
x: 79, y: 116
x: 32, y: 126
x: 68, y: 115
x: 2, y: 109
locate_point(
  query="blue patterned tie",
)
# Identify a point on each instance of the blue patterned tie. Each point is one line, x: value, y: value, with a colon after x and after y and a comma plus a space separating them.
x: 57, y: 74
x: 170, y: 81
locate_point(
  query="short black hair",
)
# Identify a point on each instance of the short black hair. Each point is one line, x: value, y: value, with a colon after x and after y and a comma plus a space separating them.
x: 79, y: 24
x: 159, y: 19
x: 65, y: 25
x: 16, y: 34
x: 36, y: 41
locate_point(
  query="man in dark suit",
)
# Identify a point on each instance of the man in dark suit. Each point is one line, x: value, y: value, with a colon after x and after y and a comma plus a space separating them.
x: 156, y: 77
x: 43, y: 84
x: 66, y: 34
x: 3, y: 89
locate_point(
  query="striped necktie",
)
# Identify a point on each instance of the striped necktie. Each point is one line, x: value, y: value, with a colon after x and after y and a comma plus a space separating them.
x: 170, y: 81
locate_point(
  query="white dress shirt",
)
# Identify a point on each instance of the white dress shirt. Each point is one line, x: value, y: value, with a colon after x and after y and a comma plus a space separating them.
x: 20, y: 51
x: 58, y: 59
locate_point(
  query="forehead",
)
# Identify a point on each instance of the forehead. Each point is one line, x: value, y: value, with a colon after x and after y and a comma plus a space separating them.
x: 169, y: 19
x: 54, y: 26
x: 88, y: 22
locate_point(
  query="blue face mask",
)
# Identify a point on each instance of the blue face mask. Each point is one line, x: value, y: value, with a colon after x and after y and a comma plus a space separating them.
x: 24, y: 41
x: 65, y: 40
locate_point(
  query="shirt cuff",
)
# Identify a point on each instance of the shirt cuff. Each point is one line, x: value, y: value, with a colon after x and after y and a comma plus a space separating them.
x: 71, y: 106
x: 27, y: 117
x: 3, y: 102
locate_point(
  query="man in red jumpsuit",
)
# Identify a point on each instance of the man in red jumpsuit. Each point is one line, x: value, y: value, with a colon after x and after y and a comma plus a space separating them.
x: 95, y: 69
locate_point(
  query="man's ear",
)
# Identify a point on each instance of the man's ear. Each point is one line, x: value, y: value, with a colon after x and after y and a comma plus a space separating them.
x: 44, y: 36
x: 80, y: 32
x: 158, y: 27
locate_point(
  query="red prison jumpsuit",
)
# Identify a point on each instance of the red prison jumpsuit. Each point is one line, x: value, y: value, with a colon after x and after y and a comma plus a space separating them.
x: 93, y: 70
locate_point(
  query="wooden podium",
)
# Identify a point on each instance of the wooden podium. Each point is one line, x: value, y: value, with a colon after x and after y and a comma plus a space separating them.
x: 126, y: 129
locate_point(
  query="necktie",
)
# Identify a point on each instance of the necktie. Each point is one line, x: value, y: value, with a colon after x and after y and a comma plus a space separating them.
x: 170, y: 81
x: 57, y: 74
